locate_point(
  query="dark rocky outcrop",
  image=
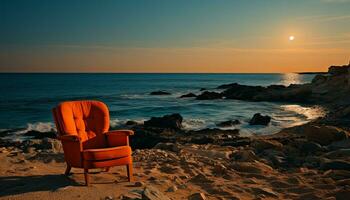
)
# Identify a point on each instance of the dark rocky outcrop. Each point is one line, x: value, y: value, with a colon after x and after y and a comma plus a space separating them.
x: 209, y: 96
x: 188, y: 95
x: 173, y: 121
x: 228, y: 123
x: 259, y: 119
x: 160, y: 93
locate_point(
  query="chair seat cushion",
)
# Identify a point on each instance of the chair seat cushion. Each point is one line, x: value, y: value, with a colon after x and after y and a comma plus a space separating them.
x: 106, y: 153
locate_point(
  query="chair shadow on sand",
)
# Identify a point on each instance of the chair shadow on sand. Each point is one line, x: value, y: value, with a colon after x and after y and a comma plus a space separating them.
x: 13, y: 185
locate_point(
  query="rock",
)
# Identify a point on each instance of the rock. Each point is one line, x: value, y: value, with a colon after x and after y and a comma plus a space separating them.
x: 172, y: 189
x: 197, y: 196
x: 152, y: 193
x: 209, y: 96
x: 319, y: 79
x: 41, y: 135
x: 343, y: 194
x: 131, y: 123
x: 219, y: 169
x: 108, y: 198
x: 227, y: 86
x: 264, y: 191
x: 255, y: 167
x: 131, y: 196
x: 214, y: 131
x: 160, y: 93
x: 228, y: 123
x: 139, y: 184
x: 264, y: 144
x: 259, y: 119
x: 324, y: 135
x: 335, y: 165
x: 338, y: 70
x: 244, y: 156
x: 340, y: 153
x: 188, y: 95
x: 167, y: 146
x: 311, y: 147
x: 202, y: 89
x: 173, y: 121
x: 337, y: 174
x: 342, y: 144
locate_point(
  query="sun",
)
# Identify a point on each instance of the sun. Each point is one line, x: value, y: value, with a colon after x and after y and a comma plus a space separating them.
x: 291, y: 38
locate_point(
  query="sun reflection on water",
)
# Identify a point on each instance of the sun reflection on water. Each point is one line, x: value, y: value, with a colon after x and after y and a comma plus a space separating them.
x: 290, y: 78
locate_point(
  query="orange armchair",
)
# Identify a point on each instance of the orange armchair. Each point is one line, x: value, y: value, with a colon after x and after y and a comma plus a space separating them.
x: 82, y: 127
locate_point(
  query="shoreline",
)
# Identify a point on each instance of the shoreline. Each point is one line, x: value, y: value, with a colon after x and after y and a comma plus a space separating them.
x: 310, y: 161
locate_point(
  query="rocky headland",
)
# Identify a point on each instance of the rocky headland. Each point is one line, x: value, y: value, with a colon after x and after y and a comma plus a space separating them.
x: 310, y: 161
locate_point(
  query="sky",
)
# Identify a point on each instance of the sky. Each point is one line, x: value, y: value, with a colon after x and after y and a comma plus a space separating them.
x: 179, y: 36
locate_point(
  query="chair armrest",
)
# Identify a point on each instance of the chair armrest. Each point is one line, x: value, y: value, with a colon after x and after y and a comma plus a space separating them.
x: 69, y: 138
x: 72, y: 148
x: 121, y: 132
x: 118, y: 137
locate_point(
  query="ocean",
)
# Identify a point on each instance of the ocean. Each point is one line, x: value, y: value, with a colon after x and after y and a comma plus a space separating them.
x: 27, y: 99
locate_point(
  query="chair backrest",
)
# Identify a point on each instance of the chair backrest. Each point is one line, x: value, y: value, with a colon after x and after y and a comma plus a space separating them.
x: 87, y: 119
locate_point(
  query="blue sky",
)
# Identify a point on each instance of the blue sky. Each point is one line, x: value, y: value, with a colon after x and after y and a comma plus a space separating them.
x: 106, y: 28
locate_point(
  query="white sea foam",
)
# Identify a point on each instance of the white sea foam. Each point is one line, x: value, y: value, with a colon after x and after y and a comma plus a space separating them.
x: 117, y: 122
x: 193, y: 124
x: 309, y: 112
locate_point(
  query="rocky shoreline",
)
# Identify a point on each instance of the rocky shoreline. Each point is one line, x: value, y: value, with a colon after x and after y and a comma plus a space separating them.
x: 311, y: 161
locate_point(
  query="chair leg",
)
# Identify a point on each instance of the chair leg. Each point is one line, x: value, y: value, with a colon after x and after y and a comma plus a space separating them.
x: 129, y: 171
x: 86, y: 175
x: 67, y: 170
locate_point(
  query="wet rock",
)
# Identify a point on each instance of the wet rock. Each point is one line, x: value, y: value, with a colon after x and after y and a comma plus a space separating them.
x: 209, y: 96
x: 259, y: 119
x: 197, y: 196
x: 324, y: 135
x: 264, y: 144
x: 41, y: 135
x: 202, y: 89
x: 152, y: 193
x: 173, y: 121
x: 188, y: 95
x: 160, y: 93
x: 228, y: 123
x: 336, y: 165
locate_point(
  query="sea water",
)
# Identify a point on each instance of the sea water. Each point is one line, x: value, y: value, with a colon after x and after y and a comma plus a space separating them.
x: 26, y: 100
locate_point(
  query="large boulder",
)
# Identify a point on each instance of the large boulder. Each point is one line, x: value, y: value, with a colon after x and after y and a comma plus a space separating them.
x: 228, y: 123
x: 338, y: 70
x: 324, y: 135
x: 160, y: 93
x: 209, y: 96
x: 188, y: 95
x: 173, y: 121
x: 259, y: 119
